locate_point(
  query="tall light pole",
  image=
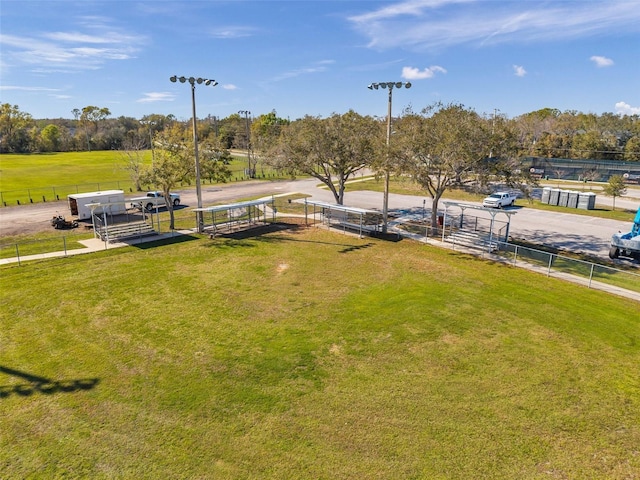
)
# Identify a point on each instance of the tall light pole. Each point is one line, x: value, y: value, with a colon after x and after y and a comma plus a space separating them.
x: 150, y: 124
x: 387, y: 86
x: 246, y: 114
x: 493, y: 126
x: 192, y: 81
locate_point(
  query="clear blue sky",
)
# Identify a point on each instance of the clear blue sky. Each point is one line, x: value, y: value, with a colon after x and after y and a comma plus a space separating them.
x: 317, y: 57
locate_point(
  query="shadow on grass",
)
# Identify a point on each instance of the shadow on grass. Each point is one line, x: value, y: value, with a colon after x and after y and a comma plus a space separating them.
x: 387, y: 237
x: 37, y: 384
x: 259, y: 230
x: 354, y: 248
x: 178, y: 238
x: 269, y: 234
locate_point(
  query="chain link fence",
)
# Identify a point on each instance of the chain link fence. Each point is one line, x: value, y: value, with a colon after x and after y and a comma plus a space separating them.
x: 476, y: 238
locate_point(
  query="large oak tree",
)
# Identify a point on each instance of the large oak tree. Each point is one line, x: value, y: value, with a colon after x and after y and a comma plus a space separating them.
x: 449, y: 145
x: 330, y: 149
x: 174, y: 162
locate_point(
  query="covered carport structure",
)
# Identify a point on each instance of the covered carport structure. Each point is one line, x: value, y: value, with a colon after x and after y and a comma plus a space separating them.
x: 233, y: 217
x: 460, y: 222
x: 346, y: 218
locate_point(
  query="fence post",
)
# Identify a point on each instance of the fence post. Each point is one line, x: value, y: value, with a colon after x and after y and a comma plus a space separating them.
x: 18, y: 254
x: 515, y: 256
x: 591, y: 274
x: 64, y: 242
x: 550, y: 262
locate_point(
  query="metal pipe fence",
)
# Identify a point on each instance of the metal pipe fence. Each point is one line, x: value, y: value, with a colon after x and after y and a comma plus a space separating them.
x: 22, y: 251
x: 56, y: 193
x: 553, y: 264
x: 548, y: 263
x: 60, y: 192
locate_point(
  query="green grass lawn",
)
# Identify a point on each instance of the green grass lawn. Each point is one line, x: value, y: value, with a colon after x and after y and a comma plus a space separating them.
x: 53, y: 241
x: 47, y: 177
x: 310, y: 354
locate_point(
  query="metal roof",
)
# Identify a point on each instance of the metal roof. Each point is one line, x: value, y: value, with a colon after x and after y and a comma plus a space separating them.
x: 231, y: 206
x: 342, y: 208
x: 464, y: 206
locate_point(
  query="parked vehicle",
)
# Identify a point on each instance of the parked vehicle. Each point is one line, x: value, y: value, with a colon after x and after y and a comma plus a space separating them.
x: 500, y: 199
x: 154, y: 200
x: 59, y: 222
x: 110, y: 201
x: 627, y: 244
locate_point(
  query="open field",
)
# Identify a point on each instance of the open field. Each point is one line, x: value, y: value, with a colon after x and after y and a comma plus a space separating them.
x: 308, y: 354
x: 51, y: 176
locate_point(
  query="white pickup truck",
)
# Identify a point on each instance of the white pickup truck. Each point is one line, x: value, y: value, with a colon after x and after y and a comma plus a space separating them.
x: 154, y: 200
x: 500, y: 199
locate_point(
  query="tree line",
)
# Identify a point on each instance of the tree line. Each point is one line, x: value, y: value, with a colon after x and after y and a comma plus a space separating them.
x: 92, y: 128
x: 439, y: 147
x: 547, y: 133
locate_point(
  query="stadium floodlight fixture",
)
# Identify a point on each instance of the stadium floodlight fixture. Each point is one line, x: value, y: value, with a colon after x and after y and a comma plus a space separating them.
x: 387, y: 86
x: 193, y: 81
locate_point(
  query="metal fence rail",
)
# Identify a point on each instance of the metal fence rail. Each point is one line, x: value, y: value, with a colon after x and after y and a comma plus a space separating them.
x: 550, y: 264
x: 554, y: 264
x: 56, y: 193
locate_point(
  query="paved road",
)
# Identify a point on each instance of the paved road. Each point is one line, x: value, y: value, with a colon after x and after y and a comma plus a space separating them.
x: 564, y: 230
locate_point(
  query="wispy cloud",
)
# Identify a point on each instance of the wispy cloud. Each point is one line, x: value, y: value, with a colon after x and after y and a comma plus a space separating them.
x: 411, y: 73
x: 601, y: 61
x: 519, y: 71
x: 27, y: 89
x: 232, y: 31
x: 229, y: 86
x: 425, y: 24
x: 77, y: 37
x: 71, y: 51
x: 626, y: 109
x: 320, y: 66
x: 151, y: 97
x: 405, y: 8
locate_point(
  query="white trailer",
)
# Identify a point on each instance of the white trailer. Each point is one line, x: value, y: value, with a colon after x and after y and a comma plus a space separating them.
x: 78, y: 203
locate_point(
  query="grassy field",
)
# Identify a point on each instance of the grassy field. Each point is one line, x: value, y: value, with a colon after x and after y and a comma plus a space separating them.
x: 308, y: 354
x: 44, y: 242
x: 51, y: 176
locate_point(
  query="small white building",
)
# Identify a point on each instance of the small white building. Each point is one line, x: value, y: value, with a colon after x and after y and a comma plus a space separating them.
x: 78, y: 203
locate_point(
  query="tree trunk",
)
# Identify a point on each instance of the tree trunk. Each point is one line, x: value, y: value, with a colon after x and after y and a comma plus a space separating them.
x: 171, y: 217
x: 341, y: 192
x: 434, y: 211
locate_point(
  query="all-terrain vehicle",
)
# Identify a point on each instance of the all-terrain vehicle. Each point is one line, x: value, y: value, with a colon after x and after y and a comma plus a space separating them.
x: 59, y: 222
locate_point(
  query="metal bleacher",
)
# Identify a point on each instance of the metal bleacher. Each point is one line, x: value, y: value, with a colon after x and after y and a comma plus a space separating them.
x: 125, y: 231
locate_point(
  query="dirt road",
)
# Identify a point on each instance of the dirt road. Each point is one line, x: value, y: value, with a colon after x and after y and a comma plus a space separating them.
x: 33, y: 218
